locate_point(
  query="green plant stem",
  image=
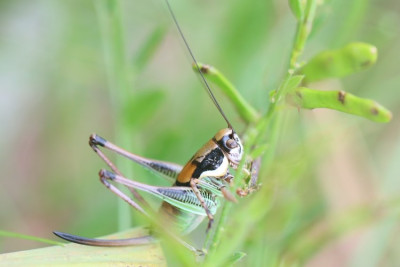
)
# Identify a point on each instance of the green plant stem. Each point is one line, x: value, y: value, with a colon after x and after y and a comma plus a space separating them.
x: 303, y: 30
x: 302, y: 33
x: 258, y: 131
x: 110, y: 19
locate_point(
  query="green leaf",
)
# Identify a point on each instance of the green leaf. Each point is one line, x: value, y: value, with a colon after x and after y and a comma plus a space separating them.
x: 340, y: 101
x: 149, y: 47
x: 142, y: 106
x: 297, y: 7
x: 29, y: 237
x: 259, y: 151
x: 79, y: 255
x: 352, y: 58
x: 245, y: 110
x: 236, y: 257
x: 290, y: 84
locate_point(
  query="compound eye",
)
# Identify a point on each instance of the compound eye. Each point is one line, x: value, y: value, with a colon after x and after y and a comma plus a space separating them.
x: 231, y: 143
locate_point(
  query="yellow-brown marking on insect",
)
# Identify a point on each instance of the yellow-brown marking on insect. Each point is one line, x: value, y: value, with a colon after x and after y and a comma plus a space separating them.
x: 221, y: 133
x: 187, y: 172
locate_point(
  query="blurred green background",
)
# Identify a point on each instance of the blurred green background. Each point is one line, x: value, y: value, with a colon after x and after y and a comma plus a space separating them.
x: 54, y: 93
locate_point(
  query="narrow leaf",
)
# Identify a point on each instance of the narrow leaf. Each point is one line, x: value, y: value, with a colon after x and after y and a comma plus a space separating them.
x: 142, y: 106
x: 79, y: 255
x: 29, y: 237
x: 149, y: 47
x: 259, y: 151
x: 290, y: 84
x: 245, y: 110
x: 235, y: 258
x: 352, y: 58
x: 297, y: 8
x: 340, y: 101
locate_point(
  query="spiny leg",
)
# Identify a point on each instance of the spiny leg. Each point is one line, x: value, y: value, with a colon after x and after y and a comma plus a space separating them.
x: 168, y: 170
x: 107, y: 175
x: 193, y: 185
x: 93, y: 145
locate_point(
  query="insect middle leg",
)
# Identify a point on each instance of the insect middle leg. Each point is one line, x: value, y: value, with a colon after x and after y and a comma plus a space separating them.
x: 193, y: 185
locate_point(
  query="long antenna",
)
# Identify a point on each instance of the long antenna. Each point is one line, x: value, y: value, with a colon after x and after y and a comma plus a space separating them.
x: 208, y: 89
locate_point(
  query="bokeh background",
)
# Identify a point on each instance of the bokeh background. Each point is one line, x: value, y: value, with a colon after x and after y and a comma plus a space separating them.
x: 329, y: 167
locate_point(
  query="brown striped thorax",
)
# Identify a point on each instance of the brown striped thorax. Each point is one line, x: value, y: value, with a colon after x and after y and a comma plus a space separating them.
x: 213, y: 159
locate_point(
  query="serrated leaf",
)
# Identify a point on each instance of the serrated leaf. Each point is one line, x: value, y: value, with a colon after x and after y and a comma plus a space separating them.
x: 350, y: 59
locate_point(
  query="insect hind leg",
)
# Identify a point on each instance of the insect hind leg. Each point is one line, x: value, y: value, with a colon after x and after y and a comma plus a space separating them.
x: 167, y: 170
x: 94, y: 142
x: 105, y: 177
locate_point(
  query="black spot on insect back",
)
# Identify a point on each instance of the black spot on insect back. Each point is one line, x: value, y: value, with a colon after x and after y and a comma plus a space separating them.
x: 210, y: 162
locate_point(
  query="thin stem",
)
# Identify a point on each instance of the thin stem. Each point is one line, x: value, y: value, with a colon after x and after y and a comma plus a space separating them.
x: 110, y: 19
x: 302, y: 33
x: 257, y: 132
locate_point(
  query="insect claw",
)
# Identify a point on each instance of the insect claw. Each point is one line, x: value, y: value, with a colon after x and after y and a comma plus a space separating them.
x: 95, y: 140
x: 106, y: 174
